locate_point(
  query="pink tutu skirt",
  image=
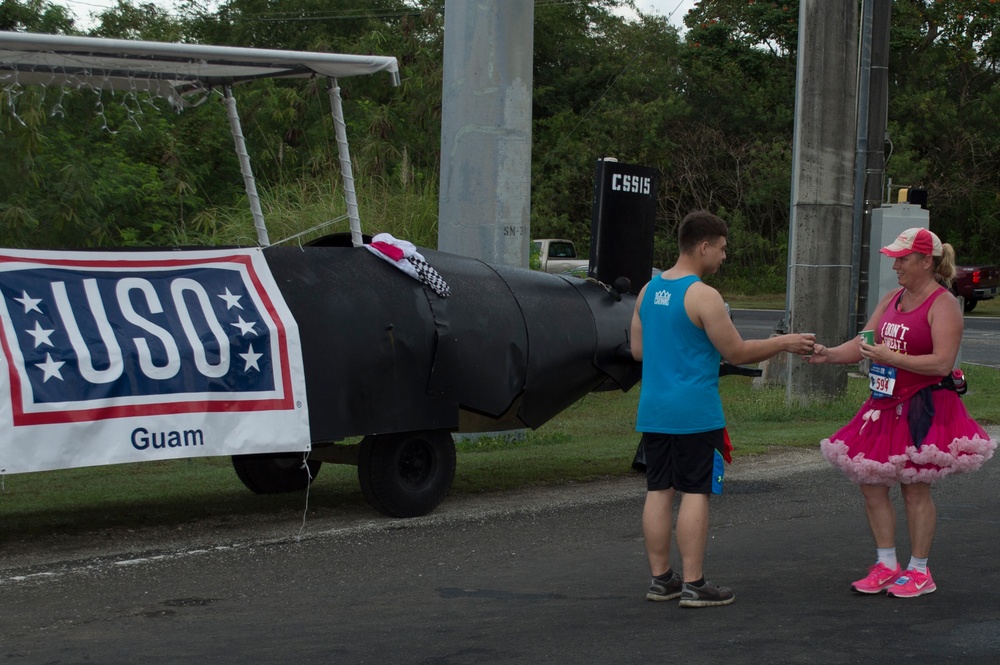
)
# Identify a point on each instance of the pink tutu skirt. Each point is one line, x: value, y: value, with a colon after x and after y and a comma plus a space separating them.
x: 876, y: 448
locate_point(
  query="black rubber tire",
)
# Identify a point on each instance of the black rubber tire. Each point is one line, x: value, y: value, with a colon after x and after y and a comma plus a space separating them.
x: 970, y: 305
x: 275, y: 473
x: 406, y: 474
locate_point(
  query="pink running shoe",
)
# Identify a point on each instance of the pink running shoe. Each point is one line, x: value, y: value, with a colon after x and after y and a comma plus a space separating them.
x: 880, y: 577
x: 911, y: 584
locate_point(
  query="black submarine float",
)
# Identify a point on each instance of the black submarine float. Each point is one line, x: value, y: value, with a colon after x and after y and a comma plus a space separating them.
x: 139, y: 341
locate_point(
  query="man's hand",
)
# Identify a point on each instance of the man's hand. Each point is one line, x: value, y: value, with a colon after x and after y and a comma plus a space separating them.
x: 803, y: 344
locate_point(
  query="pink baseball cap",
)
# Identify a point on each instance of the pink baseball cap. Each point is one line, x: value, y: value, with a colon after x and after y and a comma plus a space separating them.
x: 916, y: 240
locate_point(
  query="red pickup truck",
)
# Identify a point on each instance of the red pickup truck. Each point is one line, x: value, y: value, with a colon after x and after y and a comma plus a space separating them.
x: 975, y: 283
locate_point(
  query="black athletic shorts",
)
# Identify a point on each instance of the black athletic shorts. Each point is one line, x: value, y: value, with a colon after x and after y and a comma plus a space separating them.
x: 691, y: 463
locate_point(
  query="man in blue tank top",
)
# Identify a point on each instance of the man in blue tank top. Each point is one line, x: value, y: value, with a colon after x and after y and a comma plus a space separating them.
x: 681, y: 330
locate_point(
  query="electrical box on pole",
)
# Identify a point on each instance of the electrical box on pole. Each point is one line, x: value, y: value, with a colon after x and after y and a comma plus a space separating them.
x: 888, y: 222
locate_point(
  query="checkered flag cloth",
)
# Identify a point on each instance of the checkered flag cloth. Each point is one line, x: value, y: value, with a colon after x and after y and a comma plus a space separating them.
x: 430, y: 276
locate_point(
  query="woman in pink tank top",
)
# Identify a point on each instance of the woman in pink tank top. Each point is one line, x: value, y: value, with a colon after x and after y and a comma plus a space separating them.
x: 914, y: 428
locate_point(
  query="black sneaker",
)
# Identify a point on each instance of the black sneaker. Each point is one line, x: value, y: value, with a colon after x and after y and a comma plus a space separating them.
x: 708, y: 595
x: 665, y: 589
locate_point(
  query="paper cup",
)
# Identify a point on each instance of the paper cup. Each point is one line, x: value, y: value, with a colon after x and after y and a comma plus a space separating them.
x: 868, y: 336
x: 813, y: 335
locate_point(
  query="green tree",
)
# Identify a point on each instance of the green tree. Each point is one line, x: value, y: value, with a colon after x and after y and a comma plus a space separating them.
x: 603, y: 87
x: 35, y: 16
x: 944, y: 97
x: 738, y: 63
x: 712, y: 112
x: 143, y: 21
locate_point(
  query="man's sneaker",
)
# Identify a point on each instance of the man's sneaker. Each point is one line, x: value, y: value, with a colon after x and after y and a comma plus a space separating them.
x: 708, y: 595
x: 912, y: 583
x: 665, y: 590
x: 880, y: 577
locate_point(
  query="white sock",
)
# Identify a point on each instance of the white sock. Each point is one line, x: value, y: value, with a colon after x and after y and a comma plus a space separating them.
x: 887, y: 557
x: 919, y: 565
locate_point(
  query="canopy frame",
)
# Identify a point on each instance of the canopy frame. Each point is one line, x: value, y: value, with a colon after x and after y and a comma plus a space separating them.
x: 182, y: 74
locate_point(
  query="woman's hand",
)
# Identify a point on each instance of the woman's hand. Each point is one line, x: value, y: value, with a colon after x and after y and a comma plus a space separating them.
x: 846, y: 353
x: 820, y: 355
x: 877, y: 353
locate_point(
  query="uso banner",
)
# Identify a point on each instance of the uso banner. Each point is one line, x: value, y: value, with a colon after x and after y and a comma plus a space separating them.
x: 111, y: 357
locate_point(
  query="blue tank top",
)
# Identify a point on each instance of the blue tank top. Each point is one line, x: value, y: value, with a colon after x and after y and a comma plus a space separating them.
x: 680, y: 366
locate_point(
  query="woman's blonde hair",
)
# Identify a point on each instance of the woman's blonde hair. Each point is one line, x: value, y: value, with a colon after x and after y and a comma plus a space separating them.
x: 944, y: 265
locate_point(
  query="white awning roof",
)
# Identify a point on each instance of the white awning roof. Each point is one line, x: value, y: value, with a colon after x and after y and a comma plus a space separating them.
x: 165, y: 69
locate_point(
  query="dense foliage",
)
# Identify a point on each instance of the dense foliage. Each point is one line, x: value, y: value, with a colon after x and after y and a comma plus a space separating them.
x: 711, y: 110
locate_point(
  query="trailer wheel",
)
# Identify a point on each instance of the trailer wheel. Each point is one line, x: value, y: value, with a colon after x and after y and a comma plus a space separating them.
x: 406, y: 474
x: 275, y: 473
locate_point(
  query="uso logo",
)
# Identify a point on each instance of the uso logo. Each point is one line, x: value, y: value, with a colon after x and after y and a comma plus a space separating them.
x: 90, y: 339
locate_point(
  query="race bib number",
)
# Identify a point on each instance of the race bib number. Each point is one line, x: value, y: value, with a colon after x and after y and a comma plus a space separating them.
x: 881, y: 380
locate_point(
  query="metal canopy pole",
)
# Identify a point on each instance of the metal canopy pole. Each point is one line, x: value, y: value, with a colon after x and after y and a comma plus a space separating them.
x: 347, y: 173
x: 248, y: 180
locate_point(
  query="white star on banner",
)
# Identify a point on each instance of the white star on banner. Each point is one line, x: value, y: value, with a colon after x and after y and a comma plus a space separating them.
x: 41, y: 335
x: 251, y: 359
x: 50, y: 368
x: 244, y: 326
x: 30, y: 304
x: 231, y: 300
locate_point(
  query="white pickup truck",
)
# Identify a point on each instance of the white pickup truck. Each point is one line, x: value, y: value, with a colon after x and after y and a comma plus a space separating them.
x: 558, y: 256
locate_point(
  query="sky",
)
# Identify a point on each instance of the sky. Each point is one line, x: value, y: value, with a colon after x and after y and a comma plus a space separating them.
x: 675, y: 9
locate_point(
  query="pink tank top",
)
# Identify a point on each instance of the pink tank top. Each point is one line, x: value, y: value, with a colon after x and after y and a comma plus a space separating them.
x: 908, y: 333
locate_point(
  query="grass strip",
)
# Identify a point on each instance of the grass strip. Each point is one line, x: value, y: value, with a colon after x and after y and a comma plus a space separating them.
x: 594, y: 438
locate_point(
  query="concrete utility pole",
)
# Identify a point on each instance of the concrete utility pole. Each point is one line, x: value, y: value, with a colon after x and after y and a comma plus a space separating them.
x: 820, y: 234
x: 485, y: 195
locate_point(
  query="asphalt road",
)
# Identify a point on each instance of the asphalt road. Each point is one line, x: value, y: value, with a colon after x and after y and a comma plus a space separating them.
x: 552, y: 575
x: 980, y: 341
x: 556, y: 575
